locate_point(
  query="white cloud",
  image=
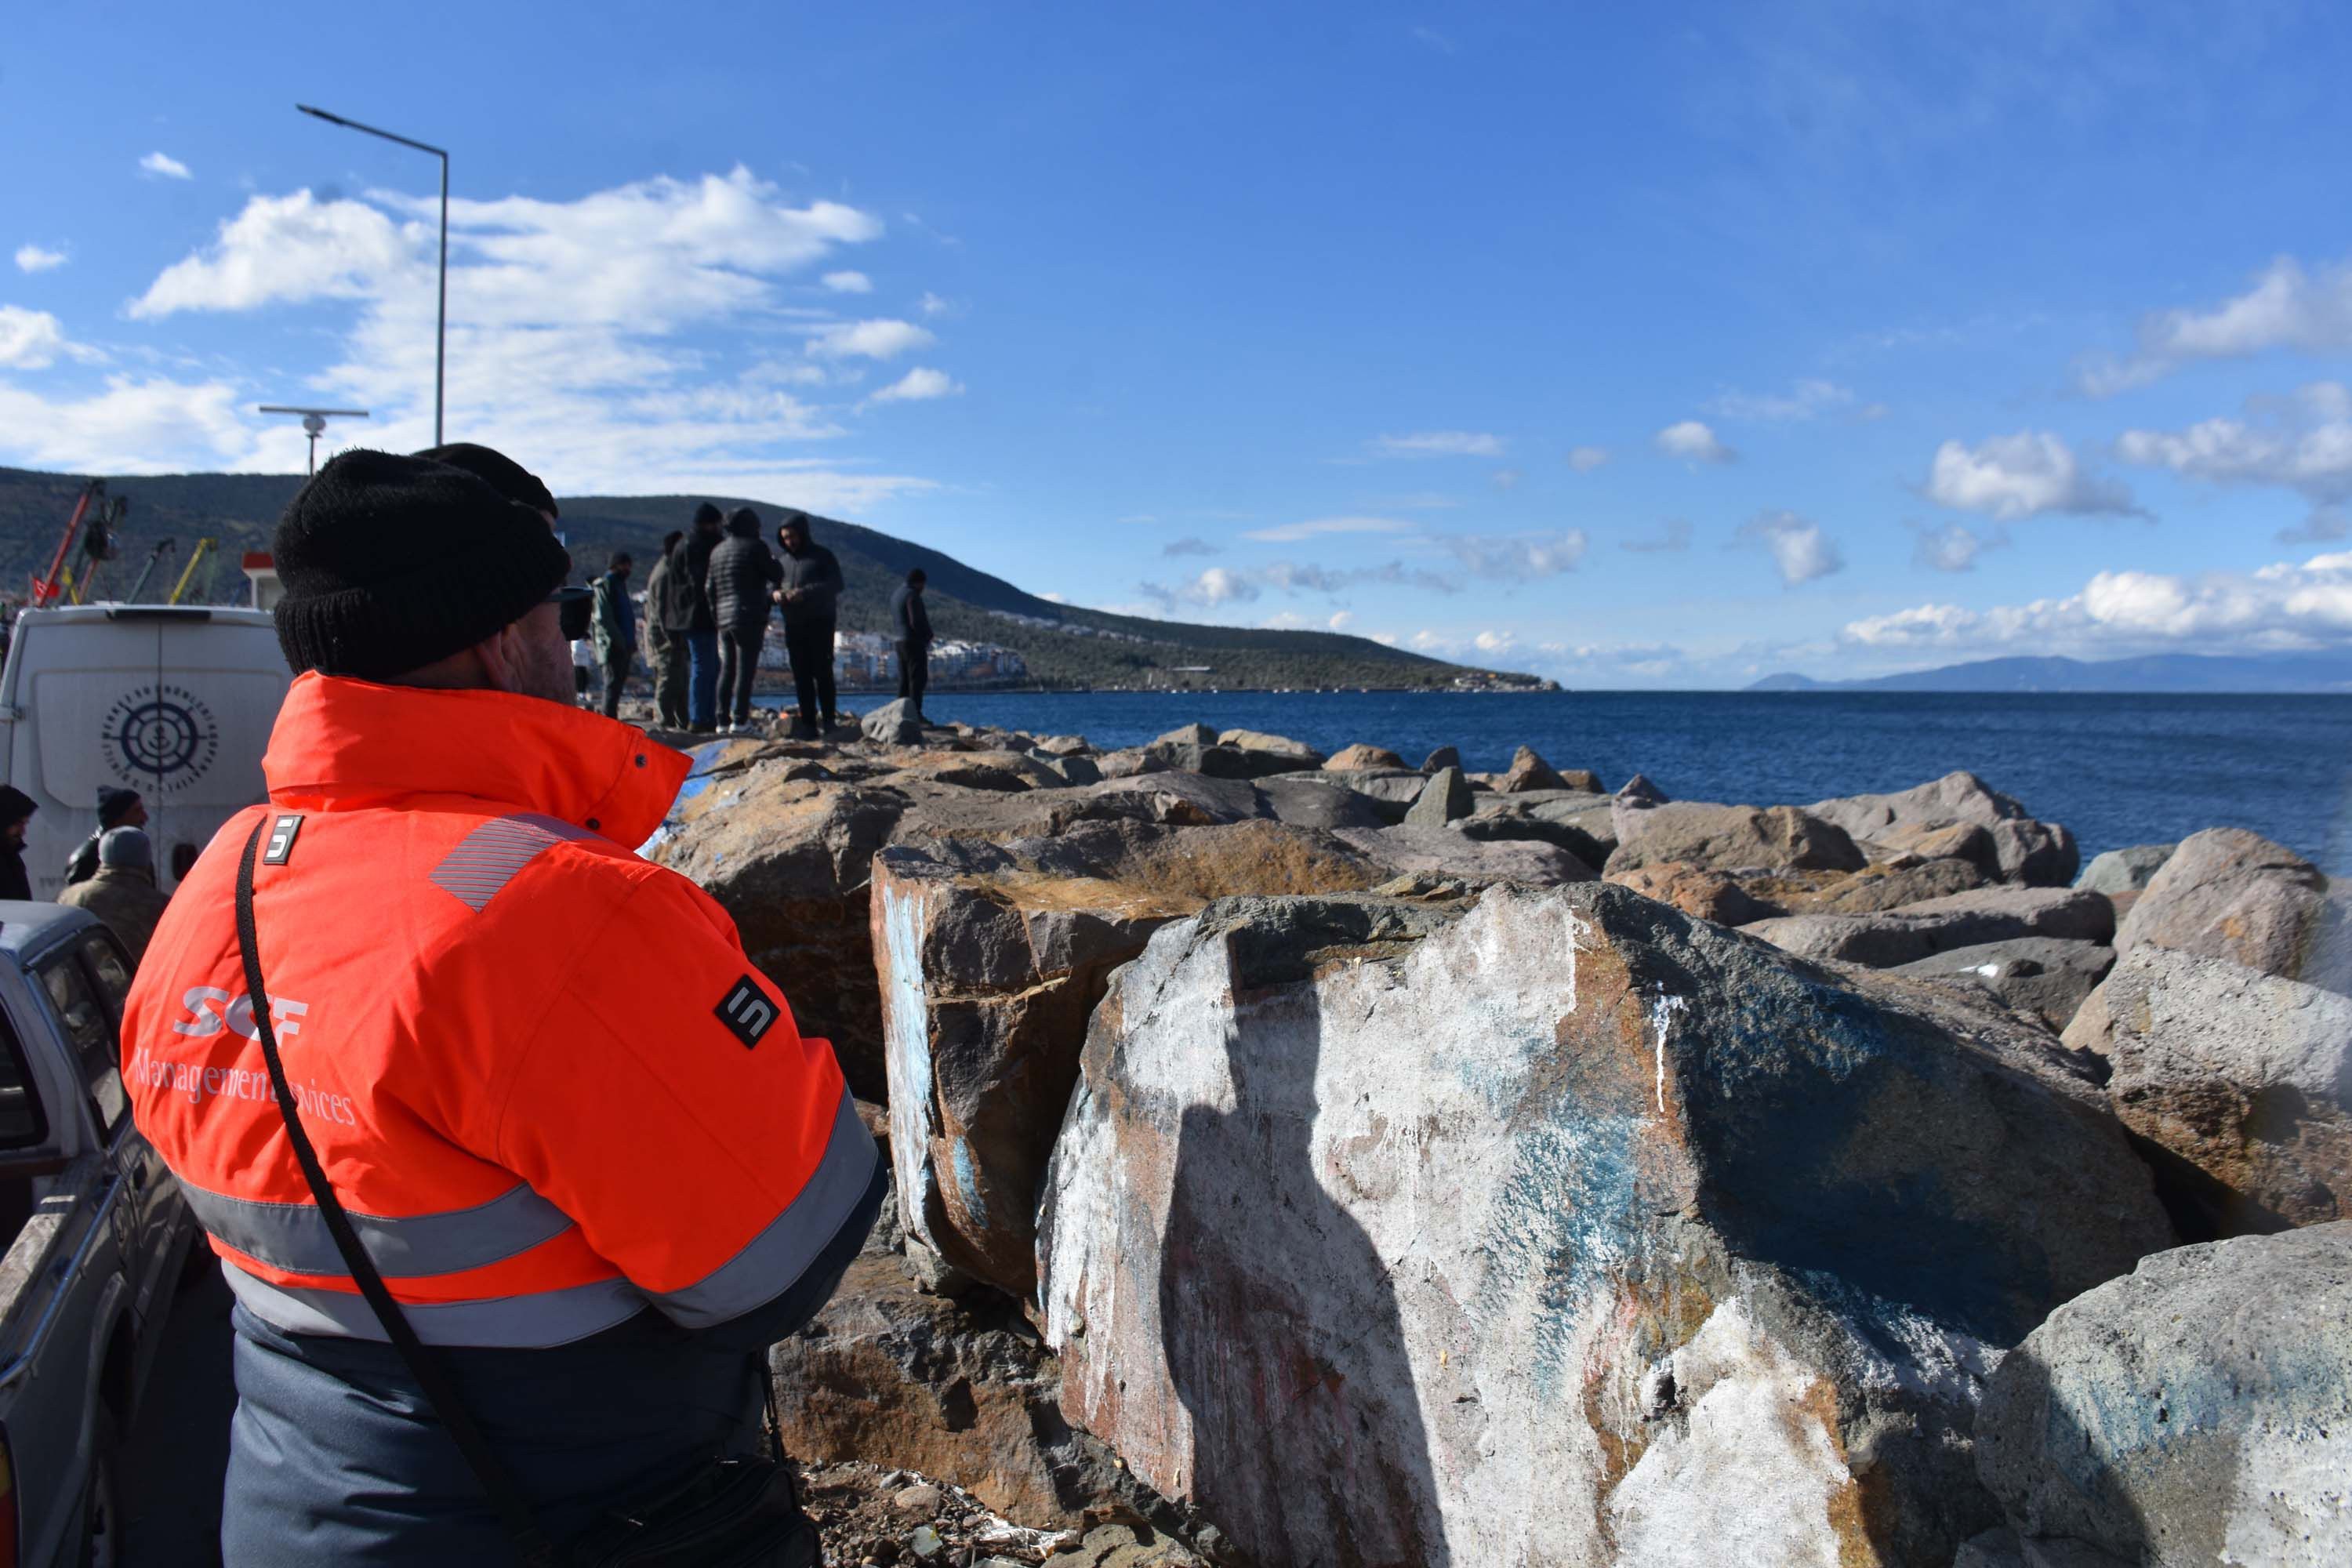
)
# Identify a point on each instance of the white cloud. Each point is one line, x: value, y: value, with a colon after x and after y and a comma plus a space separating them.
x: 136, y: 425
x: 164, y: 166
x: 1440, y: 443
x: 626, y: 341
x: 1283, y: 621
x: 1799, y: 548
x: 2286, y: 308
x: 848, y: 282
x: 1693, y: 442
x: 1386, y: 640
x: 918, y: 385
x: 1341, y: 620
x: 1952, y: 547
x: 2302, y: 442
x: 2021, y: 475
x: 1188, y: 545
x: 1217, y: 586
x: 931, y: 305
x: 1584, y: 459
x: 1519, y: 557
x: 38, y: 258
x: 1222, y: 585
x: 1508, y: 479
x: 1292, y: 532
x: 30, y: 340
x: 1054, y: 598
x: 1675, y: 539
x: 2283, y: 608
x: 1493, y: 642
x: 876, y: 339
x: 1805, y: 400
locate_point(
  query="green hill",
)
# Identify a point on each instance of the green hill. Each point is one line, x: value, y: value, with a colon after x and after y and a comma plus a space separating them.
x: 1064, y: 645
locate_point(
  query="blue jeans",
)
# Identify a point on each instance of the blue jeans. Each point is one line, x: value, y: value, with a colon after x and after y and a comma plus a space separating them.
x: 702, y: 682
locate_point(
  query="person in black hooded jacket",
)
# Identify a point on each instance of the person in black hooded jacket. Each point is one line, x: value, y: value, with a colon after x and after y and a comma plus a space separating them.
x: 17, y: 810
x: 743, y: 574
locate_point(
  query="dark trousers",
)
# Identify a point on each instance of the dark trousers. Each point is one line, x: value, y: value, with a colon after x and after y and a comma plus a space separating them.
x: 809, y: 644
x: 669, y: 682
x: 914, y: 671
x: 616, y: 675
x: 739, y: 661
x: 702, y: 682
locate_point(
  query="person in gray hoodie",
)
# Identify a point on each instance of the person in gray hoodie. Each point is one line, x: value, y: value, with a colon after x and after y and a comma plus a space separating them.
x: 744, y: 573
x: 812, y: 599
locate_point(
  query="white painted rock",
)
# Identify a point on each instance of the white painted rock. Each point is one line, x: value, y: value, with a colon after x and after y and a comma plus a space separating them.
x: 1564, y: 1231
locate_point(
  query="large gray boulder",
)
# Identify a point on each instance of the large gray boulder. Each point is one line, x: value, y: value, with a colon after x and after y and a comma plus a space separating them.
x: 1580, y: 821
x: 1529, y: 771
x: 989, y: 957
x: 2196, y: 1411
x: 1445, y: 795
x: 1349, y: 759
x: 1565, y: 1230
x: 2046, y: 977
x: 2242, y: 1081
x: 2038, y: 854
x: 2228, y: 894
x: 2113, y: 871
x: 1887, y: 885
x: 1920, y: 930
x: 1224, y: 762
x: 1449, y: 854
x: 1312, y: 800
x: 1729, y: 838
x: 894, y: 723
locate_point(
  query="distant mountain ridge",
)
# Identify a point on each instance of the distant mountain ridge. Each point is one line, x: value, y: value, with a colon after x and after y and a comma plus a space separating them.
x: 1064, y: 645
x: 2153, y: 673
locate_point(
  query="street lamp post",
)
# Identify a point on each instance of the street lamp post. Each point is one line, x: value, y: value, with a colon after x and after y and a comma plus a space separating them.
x: 441, y: 331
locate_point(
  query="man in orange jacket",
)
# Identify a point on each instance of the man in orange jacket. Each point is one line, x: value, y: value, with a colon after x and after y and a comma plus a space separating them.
x: 578, y: 1133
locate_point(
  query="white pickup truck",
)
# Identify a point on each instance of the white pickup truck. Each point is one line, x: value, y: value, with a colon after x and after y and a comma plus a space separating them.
x: 97, y: 1233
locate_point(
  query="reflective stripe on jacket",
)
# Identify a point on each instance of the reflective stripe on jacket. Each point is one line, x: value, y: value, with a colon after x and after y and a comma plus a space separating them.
x: 539, y: 1071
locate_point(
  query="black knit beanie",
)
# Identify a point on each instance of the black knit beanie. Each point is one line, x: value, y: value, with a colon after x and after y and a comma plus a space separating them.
x: 114, y: 804
x: 499, y: 471
x: 706, y: 513
x: 391, y: 562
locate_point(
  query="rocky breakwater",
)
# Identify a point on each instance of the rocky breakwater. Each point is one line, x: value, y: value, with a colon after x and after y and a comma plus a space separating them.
x: 1558, y: 1226
x: 1307, y: 1154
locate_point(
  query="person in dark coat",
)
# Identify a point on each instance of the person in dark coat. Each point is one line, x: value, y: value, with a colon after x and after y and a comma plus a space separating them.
x: 665, y: 653
x: 686, y: 614
x: 744, y: 573
x: 911, y: 624
x: 615, y: 629
x: 116, y: 808
x: 17, y: 810
x: 812, y: 599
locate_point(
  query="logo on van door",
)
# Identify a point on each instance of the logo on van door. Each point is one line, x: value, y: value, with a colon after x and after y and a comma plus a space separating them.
x: 160, y: 738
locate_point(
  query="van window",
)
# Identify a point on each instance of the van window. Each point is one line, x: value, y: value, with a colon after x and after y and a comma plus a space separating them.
x: 22, y: 1125
x: 89, y: 1032
x: 112, y: 973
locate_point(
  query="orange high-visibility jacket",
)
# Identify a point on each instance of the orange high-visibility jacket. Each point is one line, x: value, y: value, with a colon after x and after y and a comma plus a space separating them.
x: 539, y: 1071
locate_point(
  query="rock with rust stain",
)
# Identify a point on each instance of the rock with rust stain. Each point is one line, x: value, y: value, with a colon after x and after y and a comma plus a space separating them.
x: 1559, y: 1229
x: 992, y: 956
x: 1728, y: 838
x: 2231, y: 894
x: 2038, y: 854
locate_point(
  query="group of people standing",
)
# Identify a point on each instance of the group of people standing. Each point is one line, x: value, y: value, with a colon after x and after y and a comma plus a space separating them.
x: 112, y: 873
x: 708, y: 601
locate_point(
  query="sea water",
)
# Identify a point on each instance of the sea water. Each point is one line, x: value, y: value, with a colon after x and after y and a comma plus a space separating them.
x: 2119, y: 770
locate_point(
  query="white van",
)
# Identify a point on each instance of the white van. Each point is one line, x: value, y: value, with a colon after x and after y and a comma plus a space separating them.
x: 175, y: 701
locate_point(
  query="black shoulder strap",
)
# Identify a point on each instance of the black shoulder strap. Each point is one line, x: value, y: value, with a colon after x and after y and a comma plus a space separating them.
x: 514, y: 1512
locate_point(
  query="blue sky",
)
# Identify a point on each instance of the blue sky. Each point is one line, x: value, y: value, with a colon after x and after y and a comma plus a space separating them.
x: 1660, y: 349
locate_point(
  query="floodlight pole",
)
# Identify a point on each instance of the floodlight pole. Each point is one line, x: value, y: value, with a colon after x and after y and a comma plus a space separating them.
x: 441, y: 331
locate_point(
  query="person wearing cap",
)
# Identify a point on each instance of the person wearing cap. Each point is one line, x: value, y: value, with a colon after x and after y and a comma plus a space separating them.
x: 117, y: 807
x: 686, y: 611
x: 668, y: 655
x: 594, y: 1200
x: 811, y: 595
x: 17, y: 810
x: 122, y: 893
